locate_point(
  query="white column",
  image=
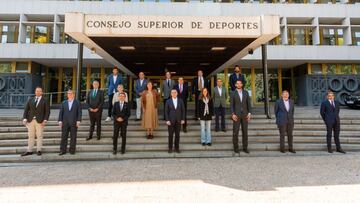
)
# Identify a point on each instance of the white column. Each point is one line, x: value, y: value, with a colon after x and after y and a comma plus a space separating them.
x: 22, y: 29
x: 56, y: 33
x: 284, y: 31
x: 315, y: 31
x: 347, y: 31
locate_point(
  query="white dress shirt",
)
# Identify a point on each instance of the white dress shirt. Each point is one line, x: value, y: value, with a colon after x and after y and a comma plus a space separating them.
x: 287, y: 105
x: 240, y: 94
x: 37, y: 99
x: 175, y: 102
x: 70, y: 103
x: 220, y: 90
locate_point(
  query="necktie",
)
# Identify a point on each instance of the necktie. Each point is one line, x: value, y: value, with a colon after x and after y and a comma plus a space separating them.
x: 36, y: 101
x: 332, y: 104
x: 168, y: 83
x: 94, y: 94
x: 121, y: 106
x: 181, y: 89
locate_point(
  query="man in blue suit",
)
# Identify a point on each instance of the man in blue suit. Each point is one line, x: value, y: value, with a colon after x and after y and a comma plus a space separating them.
x: 174, y: 116
x: 183, y: 93
x: 329, y: 112
x: 69, y: 121
x: 140, y: 86
x: 113, y: 81
x: 284, y: 113
x: 235, y: 77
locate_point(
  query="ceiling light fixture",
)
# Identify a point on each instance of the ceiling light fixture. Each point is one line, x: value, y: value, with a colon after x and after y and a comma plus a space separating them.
x: 127, y: 47
x: 171, y: 64
x: 204, y: 64
x: 172, y: 48
x: 218, y: 48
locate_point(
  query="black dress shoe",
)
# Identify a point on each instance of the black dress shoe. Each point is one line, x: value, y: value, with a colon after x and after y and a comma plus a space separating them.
x: 282, y: 151
x: 72, y: 153
x: 114, y: 152
x: 203, y: 144
x: 224, y: 130
x: 216, y: 130
x: 62, y: 153
x: 208, y: 144
x: 177, y: 151
x: 39, y: 153
x: 122, y: 152
x: 27, y: 154
x: 341, y: 151
x: 170, y: 151
x: 151, y: 136
x: 292, y: 151
x: 98, y: 138
x: 88, y: 138
x: 330, y: 151
x: 137, y: 119
x: 246, y: 151
x: 185, y: 130
x: 237, y: 151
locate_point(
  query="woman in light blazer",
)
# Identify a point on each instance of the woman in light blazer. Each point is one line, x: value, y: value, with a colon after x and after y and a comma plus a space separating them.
x: 205, y: 114
x: 120, y: 89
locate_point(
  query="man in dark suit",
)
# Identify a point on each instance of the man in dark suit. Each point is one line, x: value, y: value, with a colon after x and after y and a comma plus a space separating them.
x: 69, y: 121
x: 112, y: 82
x: 140, y: 86
x: 175, y: 116
x: 121, y: 114
x: 329, y: 112
x: 95, y: 101
x: 284, y: 113
x: 240, y: 107
x: 199, y: 83
x: 36, y: 114
x: 183, y: 93
x: 220, y: 96
x: 235, y: 77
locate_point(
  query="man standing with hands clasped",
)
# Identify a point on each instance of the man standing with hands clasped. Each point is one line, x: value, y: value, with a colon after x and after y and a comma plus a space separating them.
x: 241, y: 111
x: 121, y: 114
x: 95, y: 101
x: 284, y: 113
x: 329, y: 112
x: 175, y: 117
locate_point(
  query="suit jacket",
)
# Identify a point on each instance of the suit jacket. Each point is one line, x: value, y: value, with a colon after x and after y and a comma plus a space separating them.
x: 41, y: 112
x: 97, y: 101
x: 329, y: 114
x: 240, y: 108
x: 167, y: 89
x: 201, y: 110
x: 195, y: 85
x: 185, y: 92
x: 283, y: 116
x: 70, y: 117
x: 174, y: 115
x: 140, y: 88
x: 124, y: 113
x: 234, y: 78
x: 112, y: 85
x: 220, y: 100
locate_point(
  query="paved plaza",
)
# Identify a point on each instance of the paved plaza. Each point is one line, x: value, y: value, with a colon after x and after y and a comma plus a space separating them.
x: 325, y: 178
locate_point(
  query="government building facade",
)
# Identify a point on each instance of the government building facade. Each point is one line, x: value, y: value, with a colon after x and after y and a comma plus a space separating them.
x: 311, y: 46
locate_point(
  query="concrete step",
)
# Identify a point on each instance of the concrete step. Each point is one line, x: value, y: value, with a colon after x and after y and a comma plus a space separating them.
x: 184, y: 140
x: 224, y: 147
x: 95, y: 156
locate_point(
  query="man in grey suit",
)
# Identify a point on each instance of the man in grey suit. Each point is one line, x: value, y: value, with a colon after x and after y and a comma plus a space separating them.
x: 220, y: 96
x: 95, y: 101
x: 167, y: 86
x: 240, y: 107
x: 284, y: 113
x: 140, y: 86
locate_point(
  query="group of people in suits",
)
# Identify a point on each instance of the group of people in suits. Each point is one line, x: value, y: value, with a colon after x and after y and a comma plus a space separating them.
x: 208, y: 102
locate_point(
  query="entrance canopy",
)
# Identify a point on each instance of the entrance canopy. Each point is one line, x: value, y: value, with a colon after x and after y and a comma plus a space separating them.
x: 180, y: 44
